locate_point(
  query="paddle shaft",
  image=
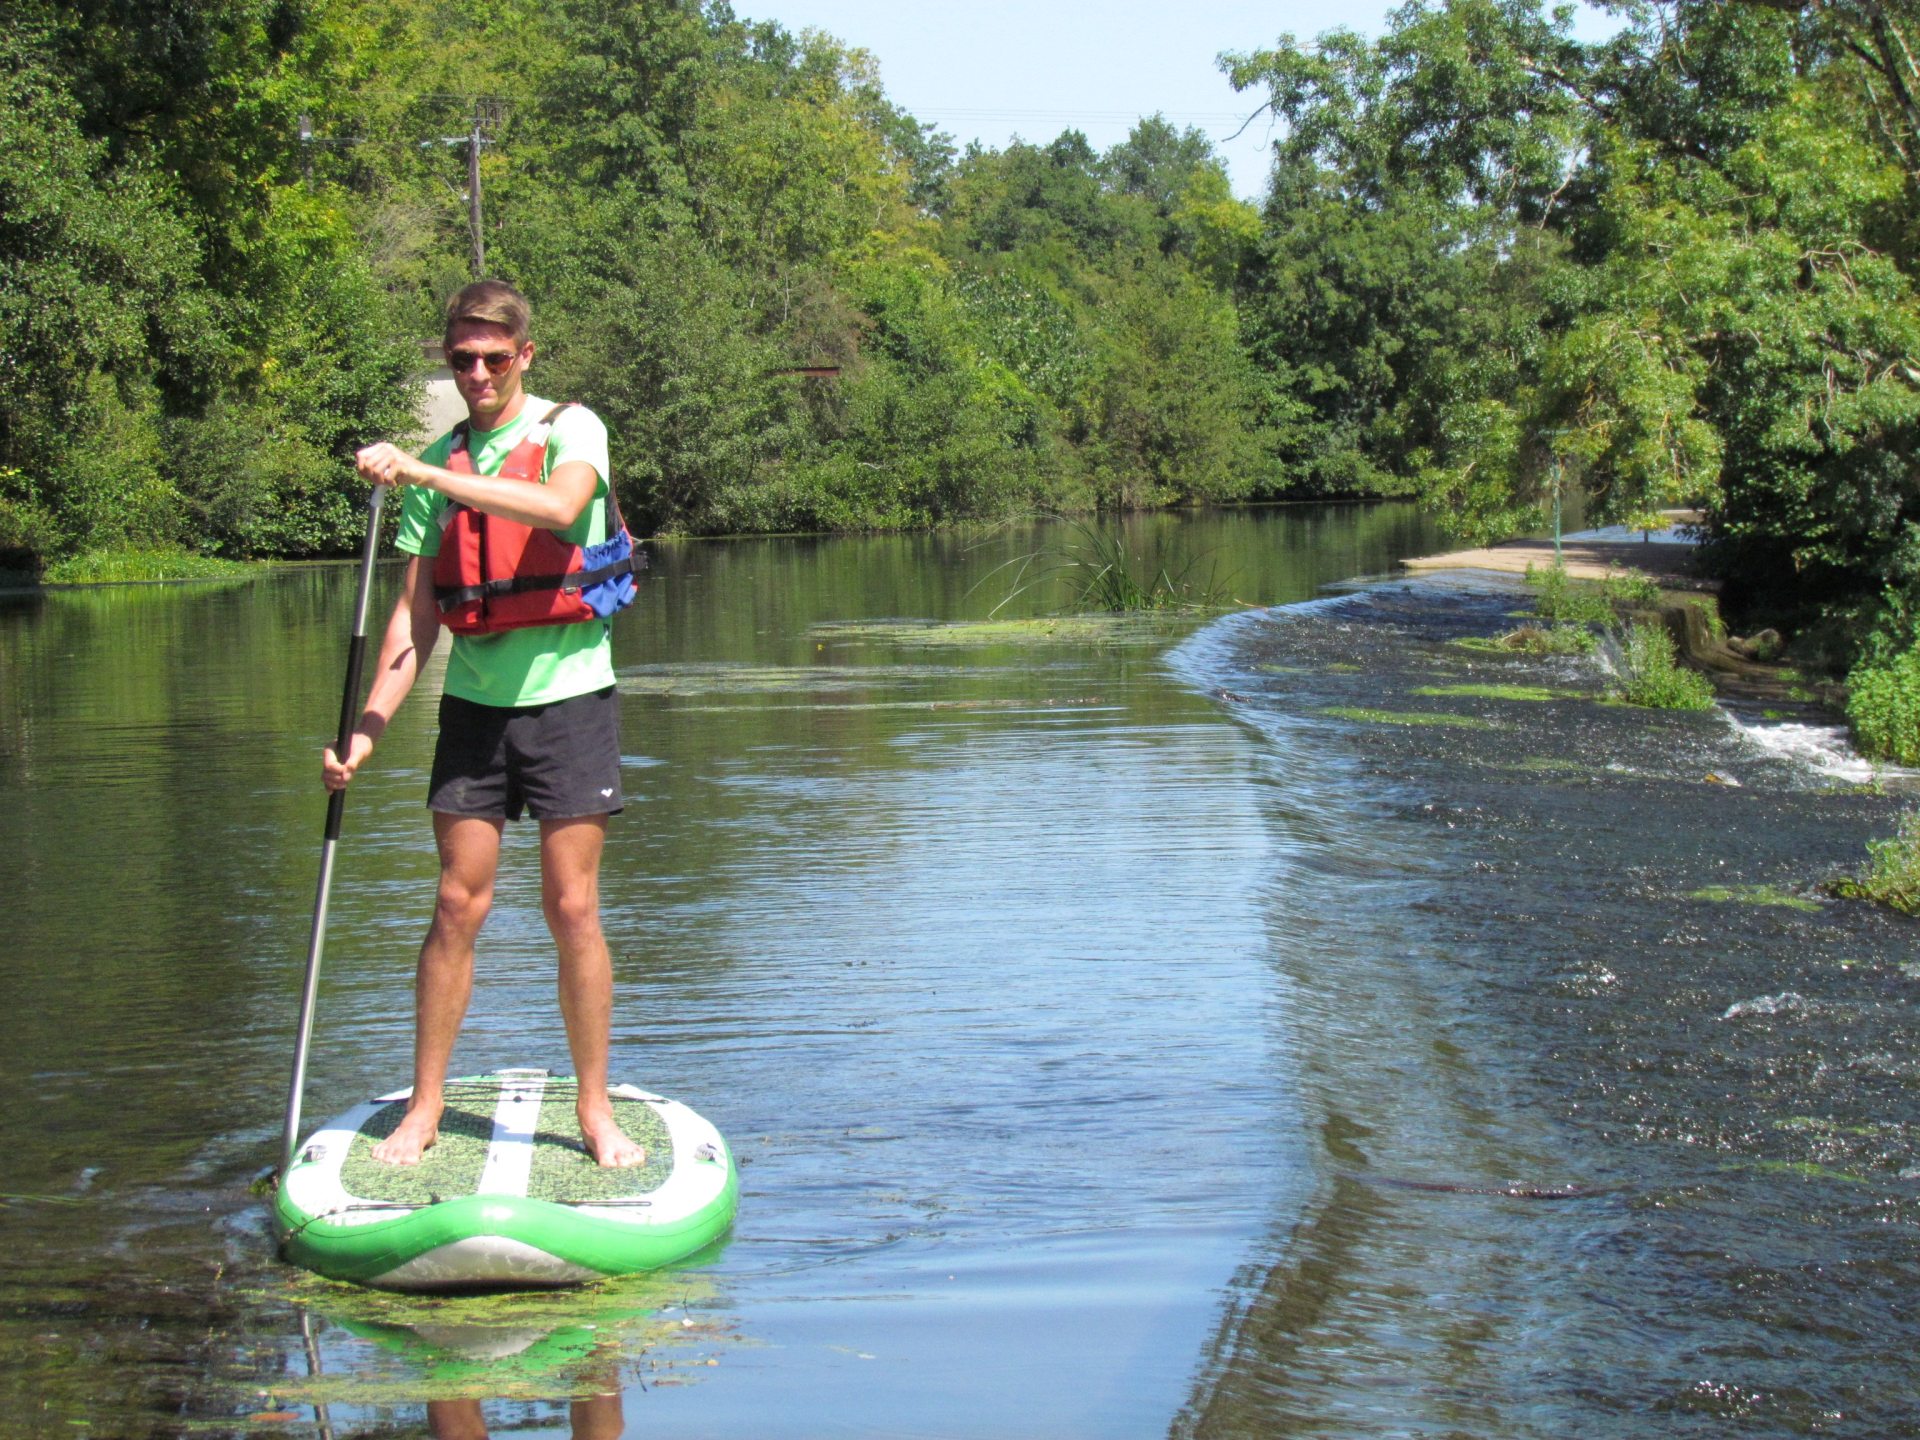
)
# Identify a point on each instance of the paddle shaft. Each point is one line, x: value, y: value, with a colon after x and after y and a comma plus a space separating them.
x: 336, y: 805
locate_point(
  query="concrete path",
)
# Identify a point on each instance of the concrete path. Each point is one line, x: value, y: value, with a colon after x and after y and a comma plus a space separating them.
x: 1667, y: 559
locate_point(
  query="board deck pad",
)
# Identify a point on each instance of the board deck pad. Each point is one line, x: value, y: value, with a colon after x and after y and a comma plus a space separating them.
x: 561, y: 1170
x: 507, y: 1197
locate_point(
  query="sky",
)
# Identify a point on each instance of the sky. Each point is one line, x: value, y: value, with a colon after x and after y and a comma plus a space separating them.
x: 989, y: 70
x: 993, y: 69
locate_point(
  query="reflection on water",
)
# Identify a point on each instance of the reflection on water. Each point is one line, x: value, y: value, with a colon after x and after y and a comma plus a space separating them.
x: 965, y: 945
x: 1294, y: 1024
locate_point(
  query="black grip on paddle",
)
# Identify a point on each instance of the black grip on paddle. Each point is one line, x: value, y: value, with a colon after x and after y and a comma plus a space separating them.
x: 356, y: 656
x: 349, y: 705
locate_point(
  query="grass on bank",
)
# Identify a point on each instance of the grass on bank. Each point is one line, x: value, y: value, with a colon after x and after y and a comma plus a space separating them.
x: 137, y: 566
x: 1892, y: 876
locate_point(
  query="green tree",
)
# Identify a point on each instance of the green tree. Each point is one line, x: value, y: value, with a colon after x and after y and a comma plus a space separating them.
x: 91, y: 308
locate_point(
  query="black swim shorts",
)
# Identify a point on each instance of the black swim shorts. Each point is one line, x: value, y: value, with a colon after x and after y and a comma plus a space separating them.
x: 557, y: 761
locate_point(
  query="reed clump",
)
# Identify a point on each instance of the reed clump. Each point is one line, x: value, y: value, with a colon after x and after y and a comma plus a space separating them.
x: 1101, y: 576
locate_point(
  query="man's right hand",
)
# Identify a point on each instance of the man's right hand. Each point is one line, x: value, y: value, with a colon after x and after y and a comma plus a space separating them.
x: 336, y: 775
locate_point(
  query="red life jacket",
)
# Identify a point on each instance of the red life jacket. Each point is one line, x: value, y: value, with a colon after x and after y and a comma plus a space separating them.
x: 493, y: 574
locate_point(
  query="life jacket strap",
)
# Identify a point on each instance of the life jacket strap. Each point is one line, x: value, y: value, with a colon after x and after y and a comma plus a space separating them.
x: 520, y: 584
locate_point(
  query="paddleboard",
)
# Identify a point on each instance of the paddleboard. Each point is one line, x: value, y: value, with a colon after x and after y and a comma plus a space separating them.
x: 508, y: 1196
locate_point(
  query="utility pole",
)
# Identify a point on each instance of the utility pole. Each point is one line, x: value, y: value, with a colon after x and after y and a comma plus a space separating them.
x: 477, y: 260
x: 487, y: 114
x: 1558, y: 470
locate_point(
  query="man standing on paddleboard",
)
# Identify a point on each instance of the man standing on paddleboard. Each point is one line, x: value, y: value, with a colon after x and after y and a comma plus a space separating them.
x: 529, y: 717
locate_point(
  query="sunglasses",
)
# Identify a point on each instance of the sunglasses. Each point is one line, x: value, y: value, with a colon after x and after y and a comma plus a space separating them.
x: 496, y: 361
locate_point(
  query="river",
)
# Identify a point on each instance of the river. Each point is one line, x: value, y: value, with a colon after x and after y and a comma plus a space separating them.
x: 1178, y: 1025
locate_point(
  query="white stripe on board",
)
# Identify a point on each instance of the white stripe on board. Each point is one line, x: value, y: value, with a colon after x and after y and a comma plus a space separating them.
x: 515, y: 1117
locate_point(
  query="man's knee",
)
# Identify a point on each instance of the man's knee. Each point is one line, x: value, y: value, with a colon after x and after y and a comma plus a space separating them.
x: 461, y: 907
x: 573, y: 912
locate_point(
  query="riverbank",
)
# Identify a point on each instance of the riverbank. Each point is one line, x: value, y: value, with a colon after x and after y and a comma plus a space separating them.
x: 1665, y: 556
x: 1740, y: 667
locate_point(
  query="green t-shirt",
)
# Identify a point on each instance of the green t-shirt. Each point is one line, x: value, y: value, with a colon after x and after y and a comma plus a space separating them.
x: 541, y: 663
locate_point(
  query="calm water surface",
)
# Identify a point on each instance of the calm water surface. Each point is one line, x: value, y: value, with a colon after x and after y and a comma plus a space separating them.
x: 1291, y: 1024
x: 963, y: 941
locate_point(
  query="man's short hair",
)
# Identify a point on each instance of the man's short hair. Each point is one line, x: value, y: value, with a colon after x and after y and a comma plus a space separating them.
x: 490, y: 302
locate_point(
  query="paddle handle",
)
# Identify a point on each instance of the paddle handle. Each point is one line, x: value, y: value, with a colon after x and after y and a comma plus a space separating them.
x: 336, y: 807
x: 356, y: 657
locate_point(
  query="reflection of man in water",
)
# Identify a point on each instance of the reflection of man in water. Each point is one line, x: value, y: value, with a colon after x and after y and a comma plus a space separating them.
x: 528, y: 720
x: 598, y: 1417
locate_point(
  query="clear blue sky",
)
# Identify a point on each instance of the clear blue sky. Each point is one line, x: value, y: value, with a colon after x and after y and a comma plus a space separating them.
x: 989, y: 70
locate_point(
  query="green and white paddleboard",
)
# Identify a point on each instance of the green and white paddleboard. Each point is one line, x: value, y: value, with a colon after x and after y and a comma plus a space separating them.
x: 508, y: 1196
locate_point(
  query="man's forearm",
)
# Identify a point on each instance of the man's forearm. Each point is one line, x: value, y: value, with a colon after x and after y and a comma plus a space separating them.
x: 515, y: 500
x: 553, y: 505
x: 409, y: 640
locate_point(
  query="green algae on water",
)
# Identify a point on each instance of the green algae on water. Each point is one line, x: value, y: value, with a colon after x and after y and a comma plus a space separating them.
x: 729, y: 679
x: 1807, y: 1170
x: 1754, y: 895
x: 1493, y: 692
x: 1407, y: 717
x: 1546, y: 765
x: 513, y: 1345
x: 1814, y: 1125
x: 1098, y: 629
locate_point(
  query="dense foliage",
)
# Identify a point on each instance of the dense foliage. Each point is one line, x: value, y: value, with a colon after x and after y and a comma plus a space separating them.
x: 1676, y: 267
x: 230, y: 224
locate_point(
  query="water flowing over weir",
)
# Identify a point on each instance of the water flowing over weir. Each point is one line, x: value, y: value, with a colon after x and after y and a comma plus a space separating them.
x: 1615, y: 1115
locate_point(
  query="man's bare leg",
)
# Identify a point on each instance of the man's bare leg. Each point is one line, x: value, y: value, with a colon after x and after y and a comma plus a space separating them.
x: 570, y: 894
x: 469, y: 858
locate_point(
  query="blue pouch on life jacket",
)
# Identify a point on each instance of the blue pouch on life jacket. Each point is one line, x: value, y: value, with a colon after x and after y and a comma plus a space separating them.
x: 607, y: 585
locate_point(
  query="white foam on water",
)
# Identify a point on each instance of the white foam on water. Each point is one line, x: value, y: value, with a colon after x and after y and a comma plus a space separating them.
x: 1823, y: 749
x: 1788, y: 1002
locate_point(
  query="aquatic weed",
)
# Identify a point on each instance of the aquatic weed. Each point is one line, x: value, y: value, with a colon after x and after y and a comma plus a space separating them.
x: 1102, y: 577
x: 1892, y: 876
x: 1754, y: 895
x: 1533, y: 639
x: 1490, y: 692
x: 1648, y: 671
x: 1407, y: 717
x: 1883, y: 707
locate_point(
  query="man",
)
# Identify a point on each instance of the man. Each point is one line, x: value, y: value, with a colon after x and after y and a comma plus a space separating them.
x: 529, y: 717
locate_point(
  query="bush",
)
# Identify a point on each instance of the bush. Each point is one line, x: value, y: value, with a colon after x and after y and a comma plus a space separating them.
x: 1883, y: 706
x: 1104, y: 576
x: 1566, y: 601
x: 1893, y: 870
x: 1630, y: 587
x: 1650, y: 673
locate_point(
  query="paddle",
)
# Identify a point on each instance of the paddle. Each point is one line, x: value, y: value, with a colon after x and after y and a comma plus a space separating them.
x: 336, y: 804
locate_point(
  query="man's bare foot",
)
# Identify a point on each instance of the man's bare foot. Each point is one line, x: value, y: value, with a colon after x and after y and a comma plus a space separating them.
x: 608, y: 1144
x: 410, y: 1140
